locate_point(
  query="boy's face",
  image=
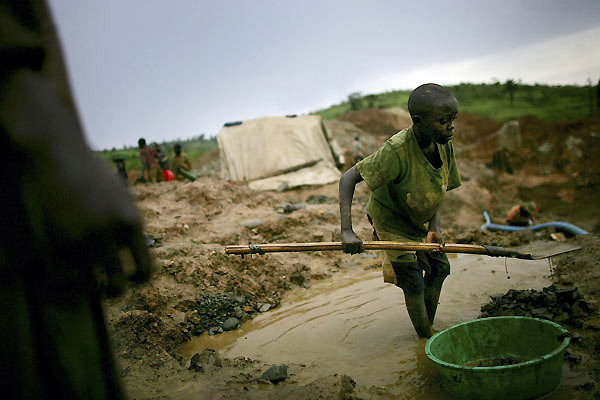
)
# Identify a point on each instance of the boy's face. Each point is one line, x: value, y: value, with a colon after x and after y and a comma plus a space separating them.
x: 438, y: 123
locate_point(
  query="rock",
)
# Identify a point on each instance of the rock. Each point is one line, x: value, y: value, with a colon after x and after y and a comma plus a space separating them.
x: 321, y: 199
x: 562, y: 317
x: 207, y: 357
x: 290, y: 208
x: 265, y: 307
x: 539, y: 311
x: 240, y: 298
x: 215, y: 330
x: 196, y: 363
x: 239, y: 313
x: 230, y: 324
x: 282, y: 187
x: 179, y: 317
x: 251, y: 223
x: 276, y: 373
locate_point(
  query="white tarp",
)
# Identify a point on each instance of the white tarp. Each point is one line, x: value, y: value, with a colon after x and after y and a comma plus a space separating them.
x: 272, y: 152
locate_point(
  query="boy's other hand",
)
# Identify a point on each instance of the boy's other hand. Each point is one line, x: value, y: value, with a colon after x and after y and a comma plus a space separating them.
x: 352, y: 243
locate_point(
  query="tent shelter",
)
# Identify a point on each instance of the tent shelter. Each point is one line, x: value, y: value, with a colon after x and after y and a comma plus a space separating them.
x: 277, y: 152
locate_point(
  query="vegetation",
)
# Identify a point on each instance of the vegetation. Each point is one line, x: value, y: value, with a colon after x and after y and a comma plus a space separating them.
x: 499, y: 101
x: 194, y: 147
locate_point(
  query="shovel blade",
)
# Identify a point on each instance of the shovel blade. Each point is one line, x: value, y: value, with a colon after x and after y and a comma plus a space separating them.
x: 541, y: 250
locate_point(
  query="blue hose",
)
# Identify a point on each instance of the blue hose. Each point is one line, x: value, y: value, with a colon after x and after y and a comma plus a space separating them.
x: 575, y: 230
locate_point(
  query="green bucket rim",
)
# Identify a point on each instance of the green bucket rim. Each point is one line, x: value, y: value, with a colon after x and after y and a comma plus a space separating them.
x: 538, y: 360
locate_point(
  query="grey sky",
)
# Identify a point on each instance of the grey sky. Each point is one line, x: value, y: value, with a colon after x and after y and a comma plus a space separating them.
x: 178, y: 68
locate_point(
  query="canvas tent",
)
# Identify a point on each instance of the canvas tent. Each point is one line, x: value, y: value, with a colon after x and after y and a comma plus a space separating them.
x: 274, y: 152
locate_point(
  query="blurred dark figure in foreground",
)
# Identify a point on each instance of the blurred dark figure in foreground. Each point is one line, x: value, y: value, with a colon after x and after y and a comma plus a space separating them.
x: 70, y: 232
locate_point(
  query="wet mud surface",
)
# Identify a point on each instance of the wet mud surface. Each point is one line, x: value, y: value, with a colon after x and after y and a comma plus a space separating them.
x: 197, y: 292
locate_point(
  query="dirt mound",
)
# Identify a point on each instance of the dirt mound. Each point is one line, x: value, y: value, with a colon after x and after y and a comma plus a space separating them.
x: 207, y: 165
x: 142, y: 332
x: 377, y: 121
x: 472, y: 129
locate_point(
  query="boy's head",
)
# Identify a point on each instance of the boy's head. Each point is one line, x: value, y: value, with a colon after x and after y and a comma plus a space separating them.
x: 142, y: 143
x: 177, y: 148
x: 433, y: 110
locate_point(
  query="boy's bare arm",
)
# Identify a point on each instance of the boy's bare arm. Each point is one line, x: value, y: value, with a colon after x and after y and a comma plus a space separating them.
x: 348, y: 181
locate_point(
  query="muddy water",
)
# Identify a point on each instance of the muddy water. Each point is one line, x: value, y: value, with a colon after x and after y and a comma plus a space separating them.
x: 357, y: 325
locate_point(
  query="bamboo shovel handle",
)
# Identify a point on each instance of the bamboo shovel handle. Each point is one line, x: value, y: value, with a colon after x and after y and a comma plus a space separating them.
x: 332, y: 246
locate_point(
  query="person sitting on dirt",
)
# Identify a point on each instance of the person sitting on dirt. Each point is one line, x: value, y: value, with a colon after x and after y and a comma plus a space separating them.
x: 70, y: 230
x: 149, y: 159
x: 180, y: 161
x: 408, y: 177
x: 522, y: 214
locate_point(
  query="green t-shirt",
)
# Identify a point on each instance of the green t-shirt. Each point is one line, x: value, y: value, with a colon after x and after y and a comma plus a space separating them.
x: 406, y: 188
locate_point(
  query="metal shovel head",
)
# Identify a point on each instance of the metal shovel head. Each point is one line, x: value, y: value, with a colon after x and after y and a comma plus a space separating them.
x: 541, y: 250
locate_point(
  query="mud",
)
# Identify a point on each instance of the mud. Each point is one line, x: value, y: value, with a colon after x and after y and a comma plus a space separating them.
x: 495, y: 362
x: 196, y: 290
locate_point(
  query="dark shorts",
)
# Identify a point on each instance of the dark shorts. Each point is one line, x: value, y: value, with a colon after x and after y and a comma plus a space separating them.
x: 409, y: 266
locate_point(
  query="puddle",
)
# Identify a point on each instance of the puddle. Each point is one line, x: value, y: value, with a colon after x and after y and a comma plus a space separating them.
x: 356, y: 324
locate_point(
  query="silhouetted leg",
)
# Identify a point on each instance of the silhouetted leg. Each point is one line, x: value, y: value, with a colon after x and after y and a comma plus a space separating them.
x: 437, y: 269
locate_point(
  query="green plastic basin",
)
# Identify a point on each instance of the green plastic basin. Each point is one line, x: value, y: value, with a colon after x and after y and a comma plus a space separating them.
x: 533, y: 347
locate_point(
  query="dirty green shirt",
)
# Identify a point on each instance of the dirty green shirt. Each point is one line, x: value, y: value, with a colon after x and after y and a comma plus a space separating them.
x: 406, y: 188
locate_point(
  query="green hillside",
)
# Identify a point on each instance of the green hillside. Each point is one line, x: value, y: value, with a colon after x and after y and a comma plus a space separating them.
x: 548, y: 103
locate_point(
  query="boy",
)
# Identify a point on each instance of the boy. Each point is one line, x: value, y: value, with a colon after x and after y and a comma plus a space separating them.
x: 180, y: 161
x: 149, y: 158
x: 408, y: 177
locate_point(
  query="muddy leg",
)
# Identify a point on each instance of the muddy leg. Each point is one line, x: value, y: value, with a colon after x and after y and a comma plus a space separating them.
x: 409, y: 278
x: 418, y: 314
x: 437, y: 268
x: 433, y: 288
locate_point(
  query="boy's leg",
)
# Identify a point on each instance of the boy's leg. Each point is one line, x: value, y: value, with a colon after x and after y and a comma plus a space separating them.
x: 437, y: 268
x: 409, y: 277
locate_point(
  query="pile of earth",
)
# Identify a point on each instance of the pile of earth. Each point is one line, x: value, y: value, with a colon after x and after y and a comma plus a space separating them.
x: 554, y: 303
x: 216, y: 313
x: 377, y: 121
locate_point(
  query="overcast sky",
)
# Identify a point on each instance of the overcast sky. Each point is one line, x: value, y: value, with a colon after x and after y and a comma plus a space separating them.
x: 163, y: 69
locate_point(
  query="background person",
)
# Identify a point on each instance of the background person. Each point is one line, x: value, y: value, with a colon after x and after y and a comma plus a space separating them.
x: 180, y: 160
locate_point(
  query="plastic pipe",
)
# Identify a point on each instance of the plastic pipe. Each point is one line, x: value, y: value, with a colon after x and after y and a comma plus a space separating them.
x: 575, y: 230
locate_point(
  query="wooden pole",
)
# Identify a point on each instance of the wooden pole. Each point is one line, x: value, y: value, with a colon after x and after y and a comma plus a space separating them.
x: 379, y: 245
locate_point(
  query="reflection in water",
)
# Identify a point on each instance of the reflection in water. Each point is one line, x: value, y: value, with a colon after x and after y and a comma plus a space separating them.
x: 357, y: 325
